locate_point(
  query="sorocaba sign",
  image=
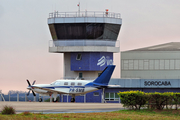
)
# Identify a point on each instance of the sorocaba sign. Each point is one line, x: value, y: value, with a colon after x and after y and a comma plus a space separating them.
x: 157, y: 83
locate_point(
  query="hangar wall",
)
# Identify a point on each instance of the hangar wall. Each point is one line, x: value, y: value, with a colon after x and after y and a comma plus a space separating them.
x: 150, y: 64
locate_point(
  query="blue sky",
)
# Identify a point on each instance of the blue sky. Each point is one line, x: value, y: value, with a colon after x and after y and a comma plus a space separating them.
x: 24, y: 34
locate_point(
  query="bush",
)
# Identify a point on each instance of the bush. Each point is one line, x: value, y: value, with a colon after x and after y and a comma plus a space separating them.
x: 8, y: 110
x: 137, y: 99
x: 26, y: 113
x: 133, y: 99
x: 176, y: 100
x: 159, y: 100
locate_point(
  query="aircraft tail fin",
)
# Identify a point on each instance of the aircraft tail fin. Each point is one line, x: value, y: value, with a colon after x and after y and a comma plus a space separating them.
x: 105, y: 76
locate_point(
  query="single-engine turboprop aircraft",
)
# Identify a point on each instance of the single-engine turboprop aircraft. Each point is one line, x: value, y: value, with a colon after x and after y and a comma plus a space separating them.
x: 72, y: 87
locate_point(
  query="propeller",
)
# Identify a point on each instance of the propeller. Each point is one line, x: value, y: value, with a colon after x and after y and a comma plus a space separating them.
x: 31, y: 87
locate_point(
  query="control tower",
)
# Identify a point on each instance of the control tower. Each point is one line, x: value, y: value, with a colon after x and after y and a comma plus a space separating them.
x: 87, y: 39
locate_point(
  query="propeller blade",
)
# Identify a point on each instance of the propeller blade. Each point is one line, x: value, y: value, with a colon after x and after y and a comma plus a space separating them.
x: 28, y: 82
x: 28, y: 93
x: 33, y: 93
x: 34, y: 82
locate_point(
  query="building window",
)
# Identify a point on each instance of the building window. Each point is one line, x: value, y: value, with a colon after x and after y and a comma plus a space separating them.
x: 99, y: 74
x: 96, y: 94
x: 130, y: 66
x: 172, y: 64
x: 177, y: 64
x: 65, y: 83
x: 146, y: 64
x: 80, y: 75
x: 111, y: 97
x: 136, y: 65
x: 79, y: 56
x: 151, y: 64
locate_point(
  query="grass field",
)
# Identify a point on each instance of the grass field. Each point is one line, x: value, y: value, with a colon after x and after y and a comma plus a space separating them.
x: 117, y: 115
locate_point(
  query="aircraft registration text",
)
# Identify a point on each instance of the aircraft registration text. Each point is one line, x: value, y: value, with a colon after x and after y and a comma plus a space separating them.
x: 76, y: 90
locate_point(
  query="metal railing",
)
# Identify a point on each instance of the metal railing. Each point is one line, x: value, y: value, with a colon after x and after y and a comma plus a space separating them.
x: 110, y: 43
x: 84, y: 14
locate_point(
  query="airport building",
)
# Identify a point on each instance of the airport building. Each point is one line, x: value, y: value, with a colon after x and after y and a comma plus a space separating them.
x: 150, y: 69
x: 88, y: 41
x: 156, y: 62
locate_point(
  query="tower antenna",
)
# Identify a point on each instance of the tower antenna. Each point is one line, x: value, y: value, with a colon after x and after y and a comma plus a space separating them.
x: 78, y: 8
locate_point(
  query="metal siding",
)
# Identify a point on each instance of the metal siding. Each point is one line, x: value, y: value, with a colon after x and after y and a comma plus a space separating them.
x: 142, y: 83
x: 91, y: 98
x: 89, y: 61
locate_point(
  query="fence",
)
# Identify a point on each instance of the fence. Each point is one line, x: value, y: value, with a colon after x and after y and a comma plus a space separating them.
x: 85, y: 14
x: 20, y: 97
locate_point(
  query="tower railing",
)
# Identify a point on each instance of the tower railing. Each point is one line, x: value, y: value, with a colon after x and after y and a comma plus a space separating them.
x: 84, y: 14
x: 58, y: 43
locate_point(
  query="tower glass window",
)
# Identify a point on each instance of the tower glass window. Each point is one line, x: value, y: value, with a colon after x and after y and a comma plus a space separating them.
x: 78, y: 57
x: 80, y: 75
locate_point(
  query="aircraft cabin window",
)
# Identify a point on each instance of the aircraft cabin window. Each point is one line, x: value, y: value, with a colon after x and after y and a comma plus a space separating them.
x: 65, y: 83
x: 79, y: 84
x: 73, y: 83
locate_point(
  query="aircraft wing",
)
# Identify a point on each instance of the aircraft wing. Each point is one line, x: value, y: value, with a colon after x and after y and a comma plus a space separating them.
x: 50, y: 89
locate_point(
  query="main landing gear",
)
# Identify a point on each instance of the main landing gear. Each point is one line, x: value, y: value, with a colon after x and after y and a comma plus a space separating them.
x: 40, y: 99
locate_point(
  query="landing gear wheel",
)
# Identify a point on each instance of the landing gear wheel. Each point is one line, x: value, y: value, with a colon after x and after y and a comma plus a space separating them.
x: 54, y: 100
x: 72, y: 99
x: 40, y: 99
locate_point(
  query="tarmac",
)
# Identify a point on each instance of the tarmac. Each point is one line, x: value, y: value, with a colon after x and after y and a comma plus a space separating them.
x: 58, y: 107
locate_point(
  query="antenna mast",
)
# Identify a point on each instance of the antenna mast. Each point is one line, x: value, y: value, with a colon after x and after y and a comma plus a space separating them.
x: 78, y: 8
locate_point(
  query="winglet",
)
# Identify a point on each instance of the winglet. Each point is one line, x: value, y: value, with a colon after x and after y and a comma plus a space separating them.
x: 105, y: 76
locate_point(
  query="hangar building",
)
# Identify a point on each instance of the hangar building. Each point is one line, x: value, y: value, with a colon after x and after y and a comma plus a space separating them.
x: 155, y: 62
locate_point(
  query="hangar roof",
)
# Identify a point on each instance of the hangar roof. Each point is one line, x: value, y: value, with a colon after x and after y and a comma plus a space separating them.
x: 172, y: 46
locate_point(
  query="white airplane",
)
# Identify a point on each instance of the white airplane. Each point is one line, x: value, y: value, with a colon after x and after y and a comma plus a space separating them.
x: 72, y: 87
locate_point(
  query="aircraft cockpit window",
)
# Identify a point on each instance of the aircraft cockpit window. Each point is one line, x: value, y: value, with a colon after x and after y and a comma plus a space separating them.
x: 65, y: 83
x: 57, y: 83
x: 73, y: 83
x: 79, y: 84
x: 52, y: 83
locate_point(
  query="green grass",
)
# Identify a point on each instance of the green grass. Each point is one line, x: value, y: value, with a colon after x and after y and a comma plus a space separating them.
x: 116, y: 115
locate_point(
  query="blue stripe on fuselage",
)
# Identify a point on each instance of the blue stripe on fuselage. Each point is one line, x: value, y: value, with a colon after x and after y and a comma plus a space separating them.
x: 64, y: 87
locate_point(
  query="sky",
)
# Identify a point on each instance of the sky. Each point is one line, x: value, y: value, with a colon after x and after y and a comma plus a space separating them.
x: 24, y: 34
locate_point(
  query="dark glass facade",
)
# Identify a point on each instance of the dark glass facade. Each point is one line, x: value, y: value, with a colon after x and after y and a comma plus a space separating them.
x: 84, y: 31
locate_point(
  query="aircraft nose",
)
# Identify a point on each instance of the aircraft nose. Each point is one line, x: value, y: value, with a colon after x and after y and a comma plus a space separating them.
x: 29, y: 88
